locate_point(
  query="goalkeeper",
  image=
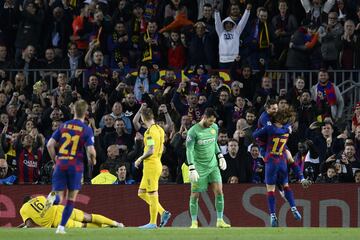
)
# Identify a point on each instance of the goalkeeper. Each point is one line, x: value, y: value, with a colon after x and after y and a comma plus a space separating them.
x: 204, y: 158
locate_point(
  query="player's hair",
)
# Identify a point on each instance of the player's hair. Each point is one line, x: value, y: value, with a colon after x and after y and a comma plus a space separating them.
x: 80, y: 108
x: 26, y: 198
x: 284, y: 116
x: 147, y: 114
x: 269, y: 103
x: 210, y: 112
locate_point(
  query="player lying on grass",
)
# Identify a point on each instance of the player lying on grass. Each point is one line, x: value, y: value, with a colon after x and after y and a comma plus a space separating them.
x: 33, y: 215
x: 276, y: 162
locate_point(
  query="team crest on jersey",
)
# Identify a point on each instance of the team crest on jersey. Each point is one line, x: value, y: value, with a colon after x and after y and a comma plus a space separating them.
x: 212, y: 131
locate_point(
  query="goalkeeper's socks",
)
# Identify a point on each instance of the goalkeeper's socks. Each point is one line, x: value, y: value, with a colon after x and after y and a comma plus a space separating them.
x: 219, y: 205
x: 67, y: 212
x: 145, y: 197
x: 100, y: 219
x: 289, y: 196
x: 194, y: 208
x: 271, y: 201
x: 154, y: 201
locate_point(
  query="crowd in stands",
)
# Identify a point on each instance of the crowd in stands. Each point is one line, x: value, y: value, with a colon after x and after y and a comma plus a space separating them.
x: 55, y: 52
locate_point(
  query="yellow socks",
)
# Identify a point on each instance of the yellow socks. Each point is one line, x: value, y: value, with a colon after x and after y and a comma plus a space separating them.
x: 145, y: 197
x: 154, y: 202
x: 100, y: 219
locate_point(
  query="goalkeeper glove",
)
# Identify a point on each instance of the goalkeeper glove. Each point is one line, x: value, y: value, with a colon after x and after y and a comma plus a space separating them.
x: 193, y: 174
x: 222, y: 161
x: 305, y: 182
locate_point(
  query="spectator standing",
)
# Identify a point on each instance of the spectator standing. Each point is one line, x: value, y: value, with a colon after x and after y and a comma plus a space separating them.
x: 284, y: 25
x: 315, y: 11
x: 329, y: 37
x: 327, y: 93
x: 229, y: 35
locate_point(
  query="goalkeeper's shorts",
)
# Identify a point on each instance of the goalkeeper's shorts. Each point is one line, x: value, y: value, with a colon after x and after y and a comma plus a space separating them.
x: 202, y: 184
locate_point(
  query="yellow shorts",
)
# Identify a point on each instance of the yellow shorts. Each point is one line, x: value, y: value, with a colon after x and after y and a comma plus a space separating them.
x: 75, y: 220
x: 150, y: 178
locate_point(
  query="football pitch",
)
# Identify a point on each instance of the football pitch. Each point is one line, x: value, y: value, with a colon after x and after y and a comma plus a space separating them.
x: 185, y: 234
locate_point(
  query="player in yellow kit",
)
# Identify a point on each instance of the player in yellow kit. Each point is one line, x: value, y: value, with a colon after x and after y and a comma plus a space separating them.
x: 33, y: 216
x: 149, y: 185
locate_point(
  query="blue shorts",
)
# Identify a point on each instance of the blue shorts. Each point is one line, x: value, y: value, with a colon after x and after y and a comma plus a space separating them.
x: 66, y: 179
x: 276, y: 173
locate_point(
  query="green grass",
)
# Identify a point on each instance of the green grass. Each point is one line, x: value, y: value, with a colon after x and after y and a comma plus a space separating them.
x: 185, y: 233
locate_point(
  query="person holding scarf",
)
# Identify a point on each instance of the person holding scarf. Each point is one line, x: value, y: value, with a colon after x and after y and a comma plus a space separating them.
x: 260, y: 40
x: 153, y: 45
x: 118, y: 45
x: 326, y: 92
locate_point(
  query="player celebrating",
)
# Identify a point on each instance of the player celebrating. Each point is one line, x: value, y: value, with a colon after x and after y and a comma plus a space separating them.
x: 276, y: 163
x: 149, y: 185
x: 31, y: 213
x: 204, y: 156
x: 72, y: 137
x: 271, y: 108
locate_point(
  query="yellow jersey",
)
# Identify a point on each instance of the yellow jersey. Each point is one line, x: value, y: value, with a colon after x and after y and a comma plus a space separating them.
x: 154, y: 136
x: 33, y: 208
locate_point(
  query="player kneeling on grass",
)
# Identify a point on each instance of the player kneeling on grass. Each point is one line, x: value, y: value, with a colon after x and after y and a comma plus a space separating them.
x: 204, y: 158
x: 33, y: 215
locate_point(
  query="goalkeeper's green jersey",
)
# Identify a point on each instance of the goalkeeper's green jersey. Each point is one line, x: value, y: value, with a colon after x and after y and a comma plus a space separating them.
x: 202, y: 147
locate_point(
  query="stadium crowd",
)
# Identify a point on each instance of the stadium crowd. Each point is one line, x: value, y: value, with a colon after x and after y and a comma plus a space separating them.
x: 64, y: 50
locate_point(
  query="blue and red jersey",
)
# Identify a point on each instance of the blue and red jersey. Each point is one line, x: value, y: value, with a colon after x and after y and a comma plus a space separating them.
x: 73, y: 136
x: 28, y: 164
x: 263, y: 120
x: 275, y: 143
